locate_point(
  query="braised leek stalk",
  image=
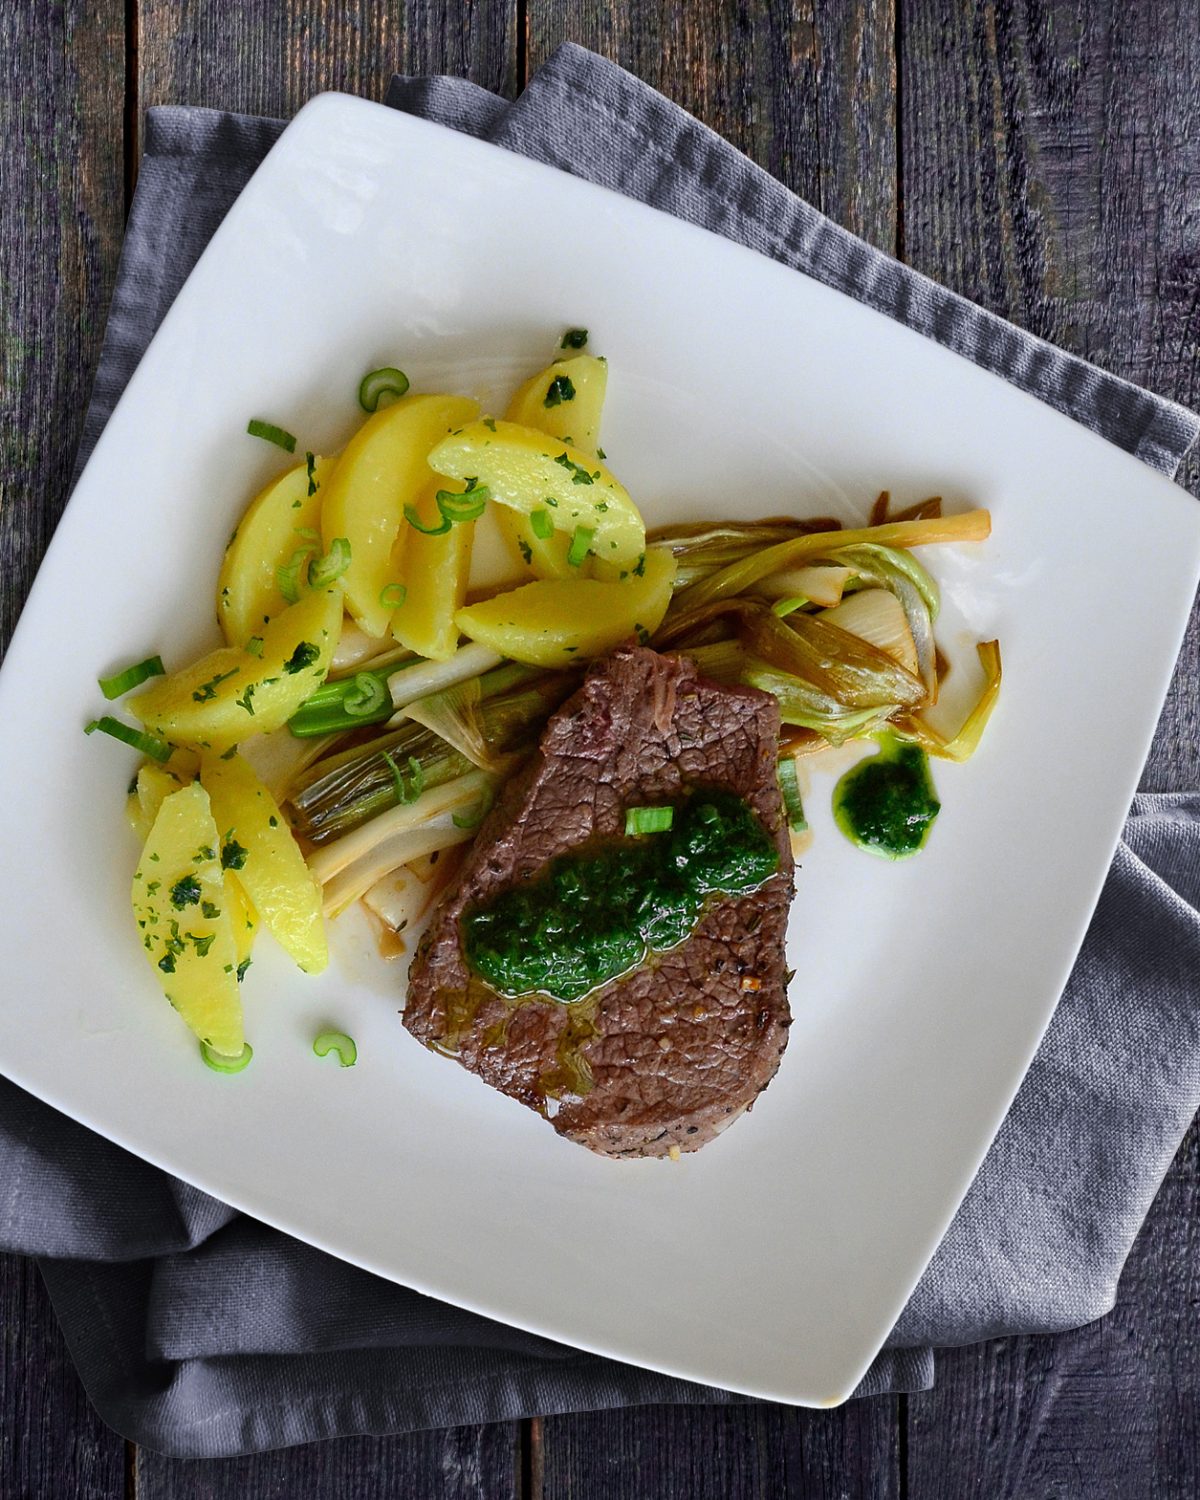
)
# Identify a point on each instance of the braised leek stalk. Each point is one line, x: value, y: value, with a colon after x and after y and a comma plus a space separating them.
x: 964, y: 744
x: 851, y: 671
x: 702, y: 548
x: 737, y: 577
x: 877, y: 616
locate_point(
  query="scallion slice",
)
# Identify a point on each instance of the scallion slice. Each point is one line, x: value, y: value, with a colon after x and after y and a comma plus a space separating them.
x: 467, y: 506
x: 287, y: 575
x: 407, y: 791
x: 540, y: 523
x: 148, y: 744
x: 323, y: 571
x: 381, y: 388
x: 120, y: 682
x: 415, y: 521
x: 272, y: 434
x: 368, y: 695
x: 789, y: 786
x: 648, y: 820
x: 339, y: 1042
x: 220, y: 1064
x: 478, y: 813
x: 392, y: 595
x: 581, y: 544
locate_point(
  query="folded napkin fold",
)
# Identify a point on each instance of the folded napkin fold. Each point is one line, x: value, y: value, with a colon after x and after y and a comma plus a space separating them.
x: 200, y: 1332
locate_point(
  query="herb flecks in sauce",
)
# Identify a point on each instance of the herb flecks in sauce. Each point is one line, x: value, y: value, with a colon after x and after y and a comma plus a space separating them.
x: 887, y: 804
x: 592, y: 916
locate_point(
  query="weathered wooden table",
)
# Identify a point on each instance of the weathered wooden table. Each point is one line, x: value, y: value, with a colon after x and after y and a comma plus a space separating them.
x: 1043, y: 159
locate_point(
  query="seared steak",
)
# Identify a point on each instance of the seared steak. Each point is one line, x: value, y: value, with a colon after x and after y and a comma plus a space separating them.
x: 671, y: 1053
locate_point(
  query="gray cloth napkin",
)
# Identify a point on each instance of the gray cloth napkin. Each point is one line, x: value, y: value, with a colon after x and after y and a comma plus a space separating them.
x: 200, y: 1332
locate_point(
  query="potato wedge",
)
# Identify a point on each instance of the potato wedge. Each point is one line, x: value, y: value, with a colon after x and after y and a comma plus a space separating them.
x: 435, y: 572
x: 529, y: 471
x: 184, y: 921
x: 557, y: 621
x: 244, y: 919
x: 383, y: 469
x: 258, y: 846
x: 566, y: 401
x: 267, y: 538
x: 231, y: 694
x: 153, y: 783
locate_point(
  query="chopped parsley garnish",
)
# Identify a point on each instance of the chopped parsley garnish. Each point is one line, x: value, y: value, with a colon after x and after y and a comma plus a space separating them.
x: 490, y: 423
x: 310, y: 460
x: 241, y: 969
x: 579, y: 475
x: 167, y: 963
x: 210, y: 910
x: 600, y: 453
x: 560, y: 389
x: 204, y: 852
x: 244, y: 700
x: 640, y: 567
x: 301, y: 658
x: 233, y: 856
x: 185, y: 892
x: 526, y: 549
x: 642, y: 634
x: 208, y: 690
x: 201, y: 944
x: 574, y: 338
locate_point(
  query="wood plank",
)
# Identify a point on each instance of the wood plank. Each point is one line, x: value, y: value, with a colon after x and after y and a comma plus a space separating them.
x: 53, y: 1446
x: 1049, y: 167
x: 807, y: 91
x: 269, y: 56
x: 461, y: 1463
x: 1111, y: 1409
x: 1050, y: 172
x: 61, y: 214
x: 723, y: 1453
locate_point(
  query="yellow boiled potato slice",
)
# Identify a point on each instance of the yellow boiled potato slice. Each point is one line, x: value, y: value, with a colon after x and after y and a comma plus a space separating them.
x: 243, y: 916
x: 267, y: 538
x: 383, y: 469
x: 528, y: 471
x: 557, y: 621
x: 257, y: 845
x: 184, y: 922
x: 575, y: 390
x: 435, y: 571
x: 231, y: 694
x: 154, y: 782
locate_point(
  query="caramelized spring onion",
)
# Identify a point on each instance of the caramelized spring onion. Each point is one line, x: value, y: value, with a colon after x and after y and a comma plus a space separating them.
x: 737, y: 577
x: 703, y: 547
x: 962, y: 745
x: 852, y: 671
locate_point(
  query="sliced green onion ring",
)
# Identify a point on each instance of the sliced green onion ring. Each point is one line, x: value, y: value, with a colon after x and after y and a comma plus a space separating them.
x: 392, y: 595
x: 287, y: 575
x: 339, y: 1042
x: 272, y: 434
x: 367, y: 696
x: 148, y: 744
x: 415, y: 521
x: 119, y: 683
x: 475, y: 818
x: 467, y: 506
x: 648, y: 820
x: 381, y: 388
x: 540, y: 523
x: 581, y: 544
x: 789, y: 786
x: 323, y: 571
x: 221, y: 1064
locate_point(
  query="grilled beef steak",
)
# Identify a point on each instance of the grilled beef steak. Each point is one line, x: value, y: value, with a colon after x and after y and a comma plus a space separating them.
x: 670, y: 1053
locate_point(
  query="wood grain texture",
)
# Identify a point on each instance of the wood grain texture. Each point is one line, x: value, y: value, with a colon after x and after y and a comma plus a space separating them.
x: 61, y: 213
x: 723, y: 1453
x: 807, y: 91
x: 461, y: 1463
x: 269, y: 56
x: 1109, y: 1410
x: 53, y: 1446
x: 1052, y: 172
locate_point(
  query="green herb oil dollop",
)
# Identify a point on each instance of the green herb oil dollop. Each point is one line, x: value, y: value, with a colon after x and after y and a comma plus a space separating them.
x: 887, y: 805
x: 593, y: 916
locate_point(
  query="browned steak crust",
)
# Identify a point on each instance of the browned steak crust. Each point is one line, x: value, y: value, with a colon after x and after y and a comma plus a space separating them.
x: 677, y: 1049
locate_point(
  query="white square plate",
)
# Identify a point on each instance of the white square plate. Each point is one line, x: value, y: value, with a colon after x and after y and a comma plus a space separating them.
x: 776, y: 1260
